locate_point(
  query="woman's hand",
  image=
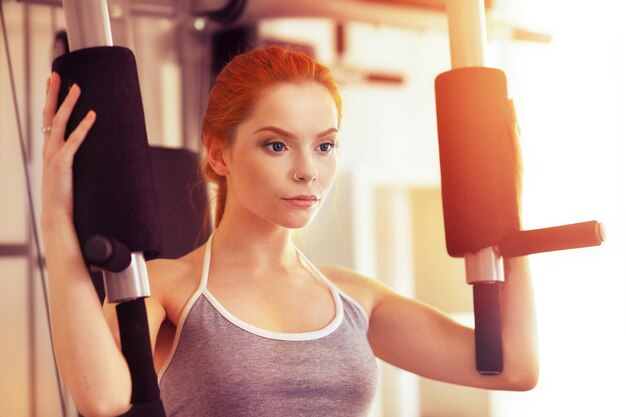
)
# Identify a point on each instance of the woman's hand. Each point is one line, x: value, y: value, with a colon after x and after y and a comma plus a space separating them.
x: 58, y: 154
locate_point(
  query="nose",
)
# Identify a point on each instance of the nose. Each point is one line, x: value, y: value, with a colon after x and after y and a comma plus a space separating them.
x: 305, y: 170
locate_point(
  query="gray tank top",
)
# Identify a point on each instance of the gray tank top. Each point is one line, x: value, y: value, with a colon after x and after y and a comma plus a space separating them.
x: 221, y: 366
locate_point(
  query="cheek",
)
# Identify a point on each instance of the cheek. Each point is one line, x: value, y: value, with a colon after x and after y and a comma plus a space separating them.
x: 330, y: 169
x: 255, y: 177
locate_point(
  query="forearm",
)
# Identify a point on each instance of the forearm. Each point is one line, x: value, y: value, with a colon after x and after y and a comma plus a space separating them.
x: 519, y: 328
x: 88, y: 357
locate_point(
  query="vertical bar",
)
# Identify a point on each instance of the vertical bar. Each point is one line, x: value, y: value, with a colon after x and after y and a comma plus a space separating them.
x: 136, y: 347
x: 194, y: 50
x: 468, y: 45
x: 488, y: 335
x: 87, y: 23
x: 31, y: 310
x: 467, y: 32
x: 88, y: 26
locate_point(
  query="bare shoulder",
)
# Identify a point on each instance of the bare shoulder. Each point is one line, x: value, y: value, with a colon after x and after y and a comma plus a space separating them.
x: 366, y: 291
x: 166, y: 274
x: 172, y: 281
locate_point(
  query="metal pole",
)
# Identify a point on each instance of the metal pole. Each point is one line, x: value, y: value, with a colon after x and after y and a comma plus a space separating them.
x: 484, y: 268
x: 467, y: 30
x: 88, y: 26
x: 87, y: 23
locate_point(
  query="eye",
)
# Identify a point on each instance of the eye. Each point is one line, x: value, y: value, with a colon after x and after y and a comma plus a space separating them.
x: 276, y: 146
x: 327, y: 147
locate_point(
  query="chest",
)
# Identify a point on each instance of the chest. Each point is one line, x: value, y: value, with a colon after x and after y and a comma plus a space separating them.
x: 236, y: 372
x: 288, y: 305
x: 283, y: 307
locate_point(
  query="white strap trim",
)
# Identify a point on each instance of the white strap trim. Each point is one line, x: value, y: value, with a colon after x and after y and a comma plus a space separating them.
x: 206, y: 264
x: 268, y: 334
x: 188, y: 305
x: 333, y: 286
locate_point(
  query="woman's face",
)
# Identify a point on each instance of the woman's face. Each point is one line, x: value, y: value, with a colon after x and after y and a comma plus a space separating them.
x: 283, y: 160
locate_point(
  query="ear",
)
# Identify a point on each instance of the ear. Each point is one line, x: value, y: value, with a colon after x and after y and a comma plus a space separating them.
x: 217, y: 159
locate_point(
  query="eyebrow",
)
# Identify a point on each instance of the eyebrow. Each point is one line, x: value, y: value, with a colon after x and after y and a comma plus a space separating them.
x: 291, y: 135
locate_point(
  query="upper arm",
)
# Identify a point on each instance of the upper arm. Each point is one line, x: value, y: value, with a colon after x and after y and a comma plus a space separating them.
x: 416, y: 337
x: 423, y: 340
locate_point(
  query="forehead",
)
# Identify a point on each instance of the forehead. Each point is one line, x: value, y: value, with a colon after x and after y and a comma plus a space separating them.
x: 295, y: 107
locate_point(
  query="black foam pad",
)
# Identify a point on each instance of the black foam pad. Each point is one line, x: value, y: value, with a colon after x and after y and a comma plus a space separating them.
x: 113, y: 185
x: 478, y: 158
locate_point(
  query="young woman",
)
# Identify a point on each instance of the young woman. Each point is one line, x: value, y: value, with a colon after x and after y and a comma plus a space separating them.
x: 245, y: 325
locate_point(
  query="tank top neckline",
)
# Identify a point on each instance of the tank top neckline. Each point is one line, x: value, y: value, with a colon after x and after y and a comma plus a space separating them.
x: 296, y: 336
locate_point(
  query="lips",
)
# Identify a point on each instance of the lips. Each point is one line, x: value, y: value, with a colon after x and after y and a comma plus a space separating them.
x: 302, y: 201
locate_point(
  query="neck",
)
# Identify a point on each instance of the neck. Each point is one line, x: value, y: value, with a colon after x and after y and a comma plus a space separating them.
x: 254, y: 242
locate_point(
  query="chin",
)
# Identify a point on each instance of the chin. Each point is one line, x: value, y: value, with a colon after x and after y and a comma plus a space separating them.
x: 296, y: 222
x: 295, y: 225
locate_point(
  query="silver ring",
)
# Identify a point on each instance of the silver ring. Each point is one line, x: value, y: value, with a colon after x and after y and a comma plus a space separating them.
x: 296, y: 177
x: 46, y: 129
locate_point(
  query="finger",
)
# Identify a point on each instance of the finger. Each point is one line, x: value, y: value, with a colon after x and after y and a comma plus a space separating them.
x: 77, y: 136
x: 59, y: 122
x: 52, y: 95
x: 62, y: 115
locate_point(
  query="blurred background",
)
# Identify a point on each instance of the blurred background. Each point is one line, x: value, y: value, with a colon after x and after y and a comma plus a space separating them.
x: 566, y: 68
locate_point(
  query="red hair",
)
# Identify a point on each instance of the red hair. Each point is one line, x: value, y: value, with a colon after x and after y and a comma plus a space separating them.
x: 237, y: 89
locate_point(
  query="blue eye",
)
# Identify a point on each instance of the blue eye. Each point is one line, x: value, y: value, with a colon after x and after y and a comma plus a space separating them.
x: 327, y: 147
x: 276, y: 146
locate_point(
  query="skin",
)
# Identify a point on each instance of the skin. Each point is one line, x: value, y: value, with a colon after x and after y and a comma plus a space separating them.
x: 286, y: 148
